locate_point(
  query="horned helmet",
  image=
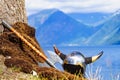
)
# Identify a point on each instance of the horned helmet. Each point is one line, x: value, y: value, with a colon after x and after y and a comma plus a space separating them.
x: 75, y: 62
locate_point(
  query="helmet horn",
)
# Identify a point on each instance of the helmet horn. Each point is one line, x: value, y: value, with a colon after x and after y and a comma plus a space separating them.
x: 89, y: 60
x: 62, y: 56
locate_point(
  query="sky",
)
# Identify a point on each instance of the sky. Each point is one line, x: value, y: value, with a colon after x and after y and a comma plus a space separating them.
x: 70, y: 6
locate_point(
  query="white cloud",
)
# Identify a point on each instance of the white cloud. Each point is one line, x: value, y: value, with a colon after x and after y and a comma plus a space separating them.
x: 33, y: 6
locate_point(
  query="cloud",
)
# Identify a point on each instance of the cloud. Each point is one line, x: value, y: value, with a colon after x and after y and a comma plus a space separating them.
x: 67, y: 6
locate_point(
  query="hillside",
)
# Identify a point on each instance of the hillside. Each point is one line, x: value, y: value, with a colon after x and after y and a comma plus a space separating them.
x: 109, y: 33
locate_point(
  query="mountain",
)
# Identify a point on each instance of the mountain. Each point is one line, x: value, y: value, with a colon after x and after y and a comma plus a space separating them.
x: 109, y: 34
x: 39, y: 18
x: 91, y: 19
x: 55, y: 27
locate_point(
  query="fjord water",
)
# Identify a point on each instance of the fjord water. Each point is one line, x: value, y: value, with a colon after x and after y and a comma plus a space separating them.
x: 109, y: 62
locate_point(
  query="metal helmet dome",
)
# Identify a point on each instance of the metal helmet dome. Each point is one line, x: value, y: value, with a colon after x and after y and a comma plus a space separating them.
x: 74, y: 63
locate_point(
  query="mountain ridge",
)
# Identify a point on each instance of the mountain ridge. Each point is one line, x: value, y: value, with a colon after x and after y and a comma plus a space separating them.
x: 62, y: 29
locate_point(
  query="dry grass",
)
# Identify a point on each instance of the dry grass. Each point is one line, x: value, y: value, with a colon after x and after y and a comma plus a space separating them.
x: 93, y: 75
x: 115, y: 77
x: 15, y: 74
x: 96, y: 75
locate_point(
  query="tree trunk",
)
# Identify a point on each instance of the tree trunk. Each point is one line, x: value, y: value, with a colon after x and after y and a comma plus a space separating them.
x: 12, y: 11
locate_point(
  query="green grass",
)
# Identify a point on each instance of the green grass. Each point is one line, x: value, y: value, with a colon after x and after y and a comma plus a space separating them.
x: 16, y: 69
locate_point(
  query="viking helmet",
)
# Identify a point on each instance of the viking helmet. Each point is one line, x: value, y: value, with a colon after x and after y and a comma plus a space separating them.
x: 76, y: 62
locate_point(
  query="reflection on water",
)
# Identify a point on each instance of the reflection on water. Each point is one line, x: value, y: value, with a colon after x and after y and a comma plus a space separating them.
x: 109, y: 62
